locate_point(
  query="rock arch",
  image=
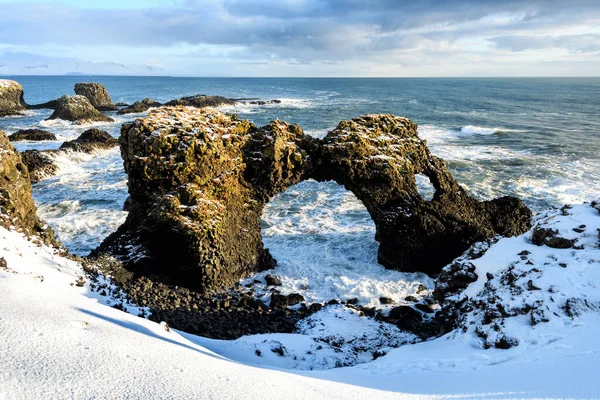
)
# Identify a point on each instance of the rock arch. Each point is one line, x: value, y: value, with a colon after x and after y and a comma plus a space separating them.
x: 199, y: 179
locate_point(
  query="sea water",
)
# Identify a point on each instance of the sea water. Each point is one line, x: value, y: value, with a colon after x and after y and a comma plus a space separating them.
x: 535, y: 138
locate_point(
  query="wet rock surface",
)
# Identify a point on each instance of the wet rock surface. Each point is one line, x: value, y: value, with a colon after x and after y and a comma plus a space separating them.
x: 202, y: 101
x: 96, y: 94
x: 199, y: 179
x: 139, y: 107
x: 377, y: 158
x: 91, y: 140
x: 78, y: 110
x: 17, y: 208
x: 11, y: 98
x: 39, y: 163
x: 32, y: 134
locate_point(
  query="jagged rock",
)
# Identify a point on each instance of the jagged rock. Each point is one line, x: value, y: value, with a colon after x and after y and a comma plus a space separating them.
x: 41, y: 164
x: 550, y: 238
x: 77, y: 109
x: 31, y: 134
x: 122, y: 104
x: 192, y: 203
x: 199, y: 179
x: 139, y: 106
x: 11, y: 98
x: 201, y: 101
x: 377, y: 157
x: 273, y: 280
x: 406, y: 318
x: 38, y: 163
x: 91, y: 140
x: 96, y: 94
x: 17, y: 208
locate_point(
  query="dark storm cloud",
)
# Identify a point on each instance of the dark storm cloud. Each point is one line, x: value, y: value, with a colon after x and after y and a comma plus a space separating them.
x: 324, y: 30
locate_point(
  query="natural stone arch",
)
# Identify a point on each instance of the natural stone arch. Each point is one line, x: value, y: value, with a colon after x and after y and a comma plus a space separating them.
x: 198, y: 182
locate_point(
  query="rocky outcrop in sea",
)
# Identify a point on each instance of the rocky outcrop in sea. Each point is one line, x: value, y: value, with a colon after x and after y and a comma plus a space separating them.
x: 31, y: 134
x: 78, y: 110
x: 199, y: 179
x: 139, y: 107
x: 11, y: 98
x: 41, y: 163
x: 96, y: 94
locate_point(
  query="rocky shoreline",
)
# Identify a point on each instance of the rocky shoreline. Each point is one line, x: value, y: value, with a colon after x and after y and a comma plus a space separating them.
x: 198, y: 181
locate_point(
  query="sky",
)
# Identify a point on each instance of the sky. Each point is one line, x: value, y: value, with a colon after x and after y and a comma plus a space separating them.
x: 377, y: 38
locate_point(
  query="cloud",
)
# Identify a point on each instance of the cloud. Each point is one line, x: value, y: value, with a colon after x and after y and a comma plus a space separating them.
x: 323, y: 32
x: 584, y: 43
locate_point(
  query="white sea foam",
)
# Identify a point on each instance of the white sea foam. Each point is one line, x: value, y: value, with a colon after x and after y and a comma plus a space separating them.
x: 323, y: 239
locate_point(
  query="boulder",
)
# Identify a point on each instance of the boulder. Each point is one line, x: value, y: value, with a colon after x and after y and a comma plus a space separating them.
x: 31, y: 134
x: 96, y: 94
x: 202, y: 101
x: 17, y: 208
x: 139, y: 107
x: 91, y: 140
x: 39, y: 164
x: 77, y: 109
x: 199, y: 179
x: 11, y: 98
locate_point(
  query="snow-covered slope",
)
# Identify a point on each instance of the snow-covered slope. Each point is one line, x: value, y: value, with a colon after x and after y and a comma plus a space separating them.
x: 59, y: 340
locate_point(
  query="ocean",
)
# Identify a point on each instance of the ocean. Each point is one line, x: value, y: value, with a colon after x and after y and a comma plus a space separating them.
x: 534, y: 138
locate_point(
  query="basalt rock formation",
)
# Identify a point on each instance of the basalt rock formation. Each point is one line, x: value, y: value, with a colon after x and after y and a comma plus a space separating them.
x: 17, y: 209
x: 202, y: 101
x: 139, y: 106
x: 41, y: 164
x: 377, y: 158
x: 96, y: 94
x: 77, y: 109
x: 32, y: 134
x: 91, y: 140
x: 199, y: 179
x: 11, y: 98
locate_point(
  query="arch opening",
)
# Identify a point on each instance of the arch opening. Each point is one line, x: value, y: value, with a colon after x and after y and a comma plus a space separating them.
x: 324, y: 241
x: 425, y: 187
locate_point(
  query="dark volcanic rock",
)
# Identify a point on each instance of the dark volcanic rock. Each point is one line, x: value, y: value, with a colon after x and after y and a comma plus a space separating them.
x: 192, y: 204
x: 38, y: 163
x: 139, y: 106
x: 11, y: 98
x: 406, y: 318
x: 77, y: 109
x: 272, y: 280
x: 51, y: 105
x: 17, y: 208
x: 377, y: 157
x: 201, y: 101
x: 122, y: 104
x: 198, y: 181
x: 32, y: 134
x: 550, y: 238
x: 96, y: 94
x: 91, y: 140
x: 41, y: 164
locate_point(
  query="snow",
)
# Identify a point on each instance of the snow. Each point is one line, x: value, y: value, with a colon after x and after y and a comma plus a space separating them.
x: 61, y: 340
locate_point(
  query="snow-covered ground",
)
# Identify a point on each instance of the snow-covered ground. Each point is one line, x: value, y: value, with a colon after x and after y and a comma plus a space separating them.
x: 60, y: 340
